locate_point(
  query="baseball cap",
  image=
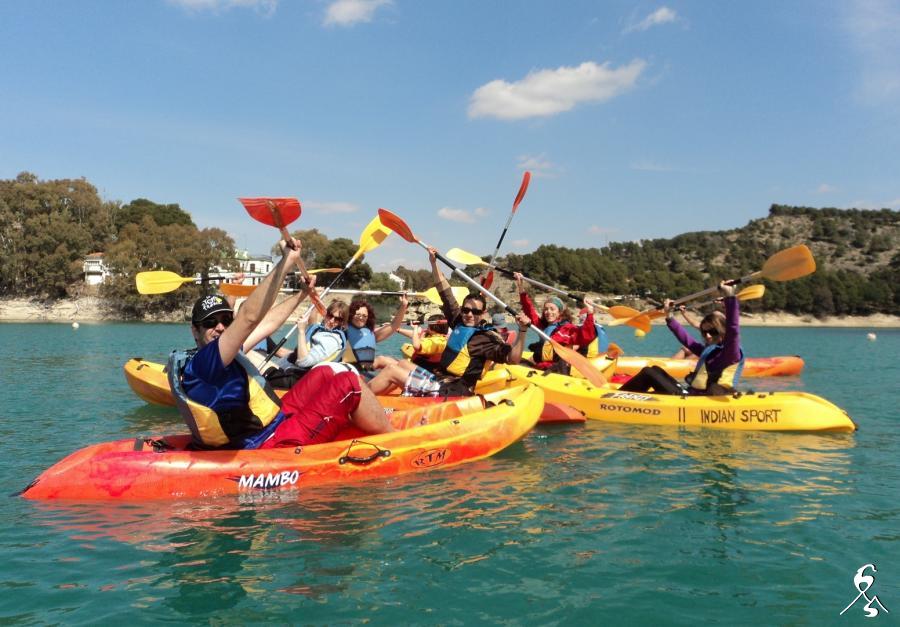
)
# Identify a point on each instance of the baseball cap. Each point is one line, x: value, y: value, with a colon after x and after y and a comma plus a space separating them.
x: 207, y: 306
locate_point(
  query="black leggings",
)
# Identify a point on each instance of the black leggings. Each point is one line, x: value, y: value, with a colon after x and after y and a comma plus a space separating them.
x: 653, y: 378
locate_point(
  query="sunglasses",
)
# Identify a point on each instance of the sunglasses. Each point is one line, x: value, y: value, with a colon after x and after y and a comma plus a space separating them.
x: 710, y: 332
x: 212, y: 323
x: 469, y: 310
x: 334, y: 317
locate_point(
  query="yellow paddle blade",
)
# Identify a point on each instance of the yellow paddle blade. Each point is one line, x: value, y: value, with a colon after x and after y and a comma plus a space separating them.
x: 236, y: 289
x: 789, y: 264
x: 459, y: 293
x: 752, y: 292
x: 372, y: 236
x: 159, y: 281
x: 462, y: 257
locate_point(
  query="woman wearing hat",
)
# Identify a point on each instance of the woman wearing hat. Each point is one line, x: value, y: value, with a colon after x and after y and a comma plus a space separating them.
x: 555, y: 320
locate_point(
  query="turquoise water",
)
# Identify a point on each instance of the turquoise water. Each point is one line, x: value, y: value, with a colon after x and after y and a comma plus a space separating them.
x: 572, y: 525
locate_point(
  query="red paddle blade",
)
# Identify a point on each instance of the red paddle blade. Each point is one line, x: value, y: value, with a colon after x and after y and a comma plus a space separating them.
x: 277, y: 212
x: 487, y: 280
x: 522, y: 189
x: 397, y: 225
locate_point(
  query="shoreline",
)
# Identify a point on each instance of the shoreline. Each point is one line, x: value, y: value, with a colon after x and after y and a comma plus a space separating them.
x: 91, y: 309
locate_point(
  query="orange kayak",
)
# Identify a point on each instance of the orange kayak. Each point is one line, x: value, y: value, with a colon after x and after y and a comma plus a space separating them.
x: 436, y: 436
x: 787, y: 365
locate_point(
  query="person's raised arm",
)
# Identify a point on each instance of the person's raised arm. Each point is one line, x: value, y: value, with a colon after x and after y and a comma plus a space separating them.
x: 257, y: 304
x: 277, y: 315
x: 525, y: 301
x: 515, y: 354
x: 448, y: 302
x: 385, y: 331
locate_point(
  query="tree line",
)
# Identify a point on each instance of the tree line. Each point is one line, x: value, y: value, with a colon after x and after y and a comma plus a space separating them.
x: 47, y: 228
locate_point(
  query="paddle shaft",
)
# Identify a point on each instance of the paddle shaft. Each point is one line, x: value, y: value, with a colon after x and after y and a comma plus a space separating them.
x: 465, y: 277
x: 522, y: 189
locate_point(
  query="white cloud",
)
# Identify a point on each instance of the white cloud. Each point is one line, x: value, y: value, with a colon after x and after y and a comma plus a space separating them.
x: 481, y: 212
x: 601, y: 230
x: 266, y: 7
x: 539, y: 166
x: 872, y: 27
x: 520, y: 243
x: 350, y: 12
x: 548, y: 92
x: 456, y: 215
x: 331, y: 207
x: 662, y: 15
x: 825, y: 188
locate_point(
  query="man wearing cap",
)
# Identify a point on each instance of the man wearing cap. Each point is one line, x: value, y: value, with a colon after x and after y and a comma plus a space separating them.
x: 227, y: 403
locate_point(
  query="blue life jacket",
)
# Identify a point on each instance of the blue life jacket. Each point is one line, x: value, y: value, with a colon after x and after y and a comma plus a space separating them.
x: 360, y: 346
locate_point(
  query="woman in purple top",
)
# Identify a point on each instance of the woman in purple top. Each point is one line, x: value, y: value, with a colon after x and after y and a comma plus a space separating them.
x: 720, y: 358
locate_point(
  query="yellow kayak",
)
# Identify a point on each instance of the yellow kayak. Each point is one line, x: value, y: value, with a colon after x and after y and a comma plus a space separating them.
x: 763, y: 411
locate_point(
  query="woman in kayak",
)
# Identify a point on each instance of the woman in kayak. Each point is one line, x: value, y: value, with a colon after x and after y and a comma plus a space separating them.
x: 556, y: 321
x: 322, y: 342
x: 720, y: 358
x: 362, y: 335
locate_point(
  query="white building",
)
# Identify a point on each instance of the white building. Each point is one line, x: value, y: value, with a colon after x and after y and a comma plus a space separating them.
x: 95, y: 271
x: 393, y: 277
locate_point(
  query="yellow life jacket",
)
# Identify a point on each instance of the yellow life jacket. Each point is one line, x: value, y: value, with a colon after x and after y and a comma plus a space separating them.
x: 239, y: 428
x: 456, y: 359
x: 700, y: 378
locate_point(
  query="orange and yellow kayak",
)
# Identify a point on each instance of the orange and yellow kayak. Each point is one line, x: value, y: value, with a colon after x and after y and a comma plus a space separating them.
x: 436, y: 436
x: 785, y: 365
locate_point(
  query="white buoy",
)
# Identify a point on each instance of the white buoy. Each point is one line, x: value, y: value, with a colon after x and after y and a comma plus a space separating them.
x: 871, y: 337
x: 75, y: 325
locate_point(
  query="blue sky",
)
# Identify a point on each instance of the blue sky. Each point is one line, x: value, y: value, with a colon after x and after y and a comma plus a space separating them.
x: 637, y: 119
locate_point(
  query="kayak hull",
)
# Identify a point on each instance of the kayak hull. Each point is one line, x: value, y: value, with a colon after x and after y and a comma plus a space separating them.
x: 766, y: 411
x: 436, y: 436
x: 781, y: 366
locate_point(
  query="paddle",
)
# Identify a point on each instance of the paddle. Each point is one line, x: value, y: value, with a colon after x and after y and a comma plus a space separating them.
x: 371, y: 237
x: 432, y: 295
x: 489, y: 278
x: 242, y: 291
x: 785, y: 265
x: 279, y: 212
x: 160, y: 281
x: 578, y: 361
x: 751, y: 292
x: 469, y: 259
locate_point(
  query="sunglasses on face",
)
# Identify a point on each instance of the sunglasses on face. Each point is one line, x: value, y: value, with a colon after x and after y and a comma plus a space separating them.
x: 335, y: 317
x: 710, y: 332
x: 212, y: 323
x: 469, y: 310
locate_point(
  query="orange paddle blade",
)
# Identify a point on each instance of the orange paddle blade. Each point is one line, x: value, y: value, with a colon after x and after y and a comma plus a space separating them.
x: 236, y: 289
x: 580, y: 363
x: 277, y: 212
x: 397, y: 225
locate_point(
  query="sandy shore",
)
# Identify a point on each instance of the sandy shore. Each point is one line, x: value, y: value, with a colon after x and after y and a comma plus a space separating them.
x: 91, y: 309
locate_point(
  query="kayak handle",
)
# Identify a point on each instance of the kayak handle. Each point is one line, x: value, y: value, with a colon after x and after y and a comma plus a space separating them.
x: 363, y: 461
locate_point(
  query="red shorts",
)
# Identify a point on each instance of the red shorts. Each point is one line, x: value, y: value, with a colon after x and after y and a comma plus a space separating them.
x: 317, y: 407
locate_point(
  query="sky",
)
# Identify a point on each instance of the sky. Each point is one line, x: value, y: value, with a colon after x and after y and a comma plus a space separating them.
x: 637, y: 119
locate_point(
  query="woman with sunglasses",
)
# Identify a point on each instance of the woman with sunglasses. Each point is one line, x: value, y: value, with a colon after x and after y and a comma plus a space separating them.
x: 720, y: 357
x: 362, y: 335
x: 555, y: 320
x: 322, y: 342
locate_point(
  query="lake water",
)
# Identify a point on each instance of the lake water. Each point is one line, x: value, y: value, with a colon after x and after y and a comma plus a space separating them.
x: 573, y: 525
